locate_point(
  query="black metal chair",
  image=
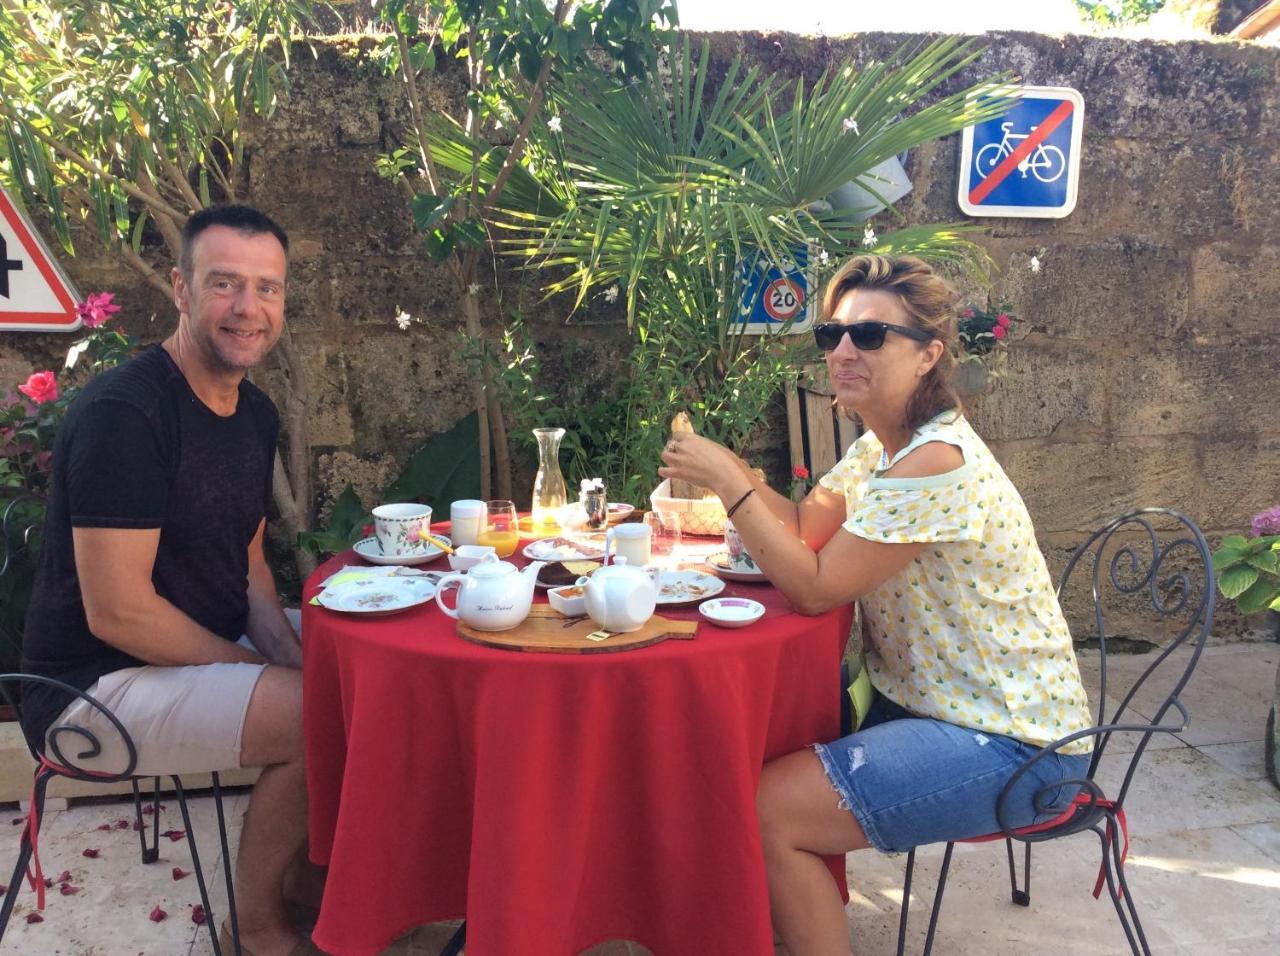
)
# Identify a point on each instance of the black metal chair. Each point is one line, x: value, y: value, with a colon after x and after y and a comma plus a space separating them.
x: 17, y: 528
x: 1159, y: 559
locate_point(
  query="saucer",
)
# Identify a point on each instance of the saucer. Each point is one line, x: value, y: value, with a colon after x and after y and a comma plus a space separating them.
x: 580, y: 547
x: 731, y: 612
x: 719, y: 563
x: 371, y: 551
x: 619, y: 510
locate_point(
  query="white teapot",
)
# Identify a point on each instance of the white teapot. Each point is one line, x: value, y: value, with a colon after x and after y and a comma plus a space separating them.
x: 620, y: 598
x: 493, y: 595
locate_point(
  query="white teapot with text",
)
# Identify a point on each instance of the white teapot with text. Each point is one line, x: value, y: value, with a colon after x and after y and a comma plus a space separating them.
x: 493, y: 595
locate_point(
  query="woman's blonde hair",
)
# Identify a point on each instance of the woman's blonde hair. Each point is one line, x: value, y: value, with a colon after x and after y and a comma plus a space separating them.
x: 930, y: 302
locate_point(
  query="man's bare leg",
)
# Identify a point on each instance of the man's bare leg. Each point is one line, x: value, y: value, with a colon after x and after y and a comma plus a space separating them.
x: 275, y: 825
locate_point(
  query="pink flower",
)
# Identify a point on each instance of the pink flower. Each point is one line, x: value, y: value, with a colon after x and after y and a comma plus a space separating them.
x: 967, y: 314
x: 96, y: 309
x: 1002, y: 320
x: 1266, y: 522
x: 800, y: 471
x: 998, y: 331
x: 41, y: 387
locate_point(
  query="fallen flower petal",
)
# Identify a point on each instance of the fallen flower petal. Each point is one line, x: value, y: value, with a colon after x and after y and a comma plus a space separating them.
x: 34, y: 918
x: 151, y: 808
x: 66, y: 889
x: 180, y: 874
x: 48, y: 882
x: 103, y: 826
x: 92, y: 853
x: 64, y: 877
x: 158, y: 915
x: 121, y: 824
x: 175, y: 835
x: 198, y: 915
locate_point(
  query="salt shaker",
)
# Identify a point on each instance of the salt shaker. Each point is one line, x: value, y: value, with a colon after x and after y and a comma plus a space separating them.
x: 596, y: 504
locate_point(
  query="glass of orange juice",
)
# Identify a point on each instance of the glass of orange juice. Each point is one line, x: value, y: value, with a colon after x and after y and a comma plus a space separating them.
x: 501, y: 530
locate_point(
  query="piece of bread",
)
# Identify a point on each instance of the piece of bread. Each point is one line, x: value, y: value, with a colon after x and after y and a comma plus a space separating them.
x: 684, y: 489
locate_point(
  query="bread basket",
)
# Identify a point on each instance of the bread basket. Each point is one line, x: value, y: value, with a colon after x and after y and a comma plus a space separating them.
x: 705, y: 516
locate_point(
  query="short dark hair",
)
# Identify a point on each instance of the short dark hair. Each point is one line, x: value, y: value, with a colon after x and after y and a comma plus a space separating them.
x: 243, y: 219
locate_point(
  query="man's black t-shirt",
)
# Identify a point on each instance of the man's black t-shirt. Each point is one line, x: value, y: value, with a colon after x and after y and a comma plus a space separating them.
x: 138, y: 449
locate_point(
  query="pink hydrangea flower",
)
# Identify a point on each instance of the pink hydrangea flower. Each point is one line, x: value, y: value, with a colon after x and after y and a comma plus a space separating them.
x: 1266, y: 522
x: 40, y: 387
x: 96, y: 309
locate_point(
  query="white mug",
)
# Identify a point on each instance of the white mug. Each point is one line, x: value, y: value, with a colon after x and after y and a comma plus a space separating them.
x: 632, y: 543
x: 398, y: 526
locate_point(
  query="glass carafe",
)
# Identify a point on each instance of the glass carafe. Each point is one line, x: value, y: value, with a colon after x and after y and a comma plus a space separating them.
x: 548, y: 487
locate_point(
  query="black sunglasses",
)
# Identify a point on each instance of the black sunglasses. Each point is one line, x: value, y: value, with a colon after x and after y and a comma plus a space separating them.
x: 866, y: 336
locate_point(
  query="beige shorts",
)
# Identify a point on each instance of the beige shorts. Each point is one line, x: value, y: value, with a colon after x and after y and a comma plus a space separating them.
x: 182, y: 719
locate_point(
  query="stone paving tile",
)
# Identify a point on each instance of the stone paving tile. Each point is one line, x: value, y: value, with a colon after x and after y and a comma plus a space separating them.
x: 1265, y: 836
x: 1246, y: 759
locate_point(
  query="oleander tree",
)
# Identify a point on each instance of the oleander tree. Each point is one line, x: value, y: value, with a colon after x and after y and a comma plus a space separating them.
x: 457, y: 159
x: 121, y: 118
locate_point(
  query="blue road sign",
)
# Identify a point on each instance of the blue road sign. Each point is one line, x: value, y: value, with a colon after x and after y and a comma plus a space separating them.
x: 775, y: 295
x: 1025, y: 163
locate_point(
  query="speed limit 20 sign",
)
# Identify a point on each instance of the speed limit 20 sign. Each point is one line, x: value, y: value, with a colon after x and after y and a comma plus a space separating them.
x: 775, y: 295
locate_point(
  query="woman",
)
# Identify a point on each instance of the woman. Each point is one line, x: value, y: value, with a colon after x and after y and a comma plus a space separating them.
x: 964, y: 640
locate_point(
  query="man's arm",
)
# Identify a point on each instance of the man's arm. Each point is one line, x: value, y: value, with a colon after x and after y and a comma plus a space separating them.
x: 123, y: 609
x: 268, y: 627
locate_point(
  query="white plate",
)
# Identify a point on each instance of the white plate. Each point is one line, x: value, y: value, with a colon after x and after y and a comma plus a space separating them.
x: 381, y: 595
x: 719, y: 563
x: 371, y: 551
x: 686, y: 587
x: 731, y: 612
x: 578, y: 547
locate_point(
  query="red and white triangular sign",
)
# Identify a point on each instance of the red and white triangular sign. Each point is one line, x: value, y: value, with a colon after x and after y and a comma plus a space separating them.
x: 35, y: 294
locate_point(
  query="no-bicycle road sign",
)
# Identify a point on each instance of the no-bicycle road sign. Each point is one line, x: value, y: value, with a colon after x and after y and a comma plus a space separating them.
x: 1026, y: 162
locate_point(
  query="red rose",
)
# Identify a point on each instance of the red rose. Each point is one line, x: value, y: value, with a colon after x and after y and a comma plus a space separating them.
x: 1002, y: 320
x: 41, y: 387
x: 800, y: 471
x: 998, y: 331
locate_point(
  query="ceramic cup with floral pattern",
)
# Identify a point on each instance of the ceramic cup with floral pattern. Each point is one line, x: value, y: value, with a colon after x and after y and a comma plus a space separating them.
x: 397, y: 528
x: 739, y: 560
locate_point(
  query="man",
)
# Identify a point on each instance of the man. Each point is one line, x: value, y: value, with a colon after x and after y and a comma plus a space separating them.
x: 152, y: 565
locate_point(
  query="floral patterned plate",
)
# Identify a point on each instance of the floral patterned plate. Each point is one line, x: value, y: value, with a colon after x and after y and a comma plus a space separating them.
x: 686, y: 587
x: 377, y: 595
x: 371, y: 551
x: 719, y: 563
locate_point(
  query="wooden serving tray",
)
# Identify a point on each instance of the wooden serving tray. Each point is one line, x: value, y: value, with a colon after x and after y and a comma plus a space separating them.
x: 546, y: 630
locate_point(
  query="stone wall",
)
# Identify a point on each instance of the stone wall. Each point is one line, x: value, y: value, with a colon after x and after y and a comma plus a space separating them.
x: 1143, y: 350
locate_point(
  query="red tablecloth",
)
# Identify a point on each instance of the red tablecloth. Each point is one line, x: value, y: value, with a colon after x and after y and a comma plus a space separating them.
x: 554, y: 800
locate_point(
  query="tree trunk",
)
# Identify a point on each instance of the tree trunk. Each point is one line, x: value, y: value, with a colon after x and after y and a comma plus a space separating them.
x: 471, y: 312
x: 501, y: 450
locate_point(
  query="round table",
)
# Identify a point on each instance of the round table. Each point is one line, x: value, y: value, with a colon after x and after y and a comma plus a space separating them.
x: 555, y: 801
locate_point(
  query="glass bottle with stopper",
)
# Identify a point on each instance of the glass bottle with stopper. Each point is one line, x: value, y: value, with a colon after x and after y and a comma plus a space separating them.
x: 548, y: 487
x: 595, y: 503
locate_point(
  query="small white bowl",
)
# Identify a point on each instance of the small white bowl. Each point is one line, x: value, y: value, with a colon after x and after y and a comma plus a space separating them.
x: 568, y: 600
x: 467, y: 556
x: 732, y: 611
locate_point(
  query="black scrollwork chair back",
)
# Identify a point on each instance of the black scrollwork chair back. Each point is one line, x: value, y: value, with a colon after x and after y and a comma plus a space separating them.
x: 1150, y: 576
x: 66, y: 747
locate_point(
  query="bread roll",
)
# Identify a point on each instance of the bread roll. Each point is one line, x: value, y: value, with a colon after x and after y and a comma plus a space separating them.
x: 683, y: 489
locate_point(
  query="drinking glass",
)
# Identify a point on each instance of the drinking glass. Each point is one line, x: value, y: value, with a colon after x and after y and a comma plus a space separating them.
x: 664, y: 538
x: 501, y: 530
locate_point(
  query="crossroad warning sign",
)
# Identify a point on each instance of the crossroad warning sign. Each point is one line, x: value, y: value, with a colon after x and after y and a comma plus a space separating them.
x: 35, y: 294
x: 1025, y: 163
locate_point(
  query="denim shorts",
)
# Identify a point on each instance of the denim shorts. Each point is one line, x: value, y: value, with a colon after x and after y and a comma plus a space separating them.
x: 912, y: 780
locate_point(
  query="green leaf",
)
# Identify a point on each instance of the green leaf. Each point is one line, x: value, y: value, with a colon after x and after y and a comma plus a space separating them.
x: 1259, y: 596
x: 1235, y: 581
x: 445, y: 468
x: 1268, y: 561
x: 422, y: 57
x: 1235, y: 542
x: 438, y: 243
x: 470, y: 231
x: 1224, y: 558
x: 429, y: 209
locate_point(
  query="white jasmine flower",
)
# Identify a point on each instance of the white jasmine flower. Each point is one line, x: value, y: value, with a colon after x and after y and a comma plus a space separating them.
x: 851, y: 126
x: 404, y: 320
x: 553, y: 124
x: 74, y: 353
x: 473, y: 289
x: 823, y: 257
x: 611, y: 294
x: 1035, y: 264
x: 868, y: 237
